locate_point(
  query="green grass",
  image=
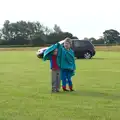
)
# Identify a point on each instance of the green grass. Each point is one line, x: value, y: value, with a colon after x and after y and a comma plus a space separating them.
x: 25, y: 89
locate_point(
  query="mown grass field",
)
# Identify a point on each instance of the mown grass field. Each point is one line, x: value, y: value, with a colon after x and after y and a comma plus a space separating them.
x: 25, y: 89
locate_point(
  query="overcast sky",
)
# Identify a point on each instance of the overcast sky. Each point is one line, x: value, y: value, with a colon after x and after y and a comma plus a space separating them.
x: 83, y: 18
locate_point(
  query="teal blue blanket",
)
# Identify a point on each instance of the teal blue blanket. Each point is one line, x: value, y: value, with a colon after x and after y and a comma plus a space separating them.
x: 48, y: 52
x: 65, y: 58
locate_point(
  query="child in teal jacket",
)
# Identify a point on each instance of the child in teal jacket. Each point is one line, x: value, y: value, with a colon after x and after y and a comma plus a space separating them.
x: 66, y: 63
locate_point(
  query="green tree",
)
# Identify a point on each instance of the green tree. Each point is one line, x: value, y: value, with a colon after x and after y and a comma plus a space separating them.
x: 99, y: 41
x: 0, y: 34
x: 92, y: 39
x: 5, y: 30
x: 57, y: 29
x: 33, y: 33
x: 111, y: 36
x: 31, y: 27
x: 86, y: 38
x: 74, y: 37
x: 56, y: 37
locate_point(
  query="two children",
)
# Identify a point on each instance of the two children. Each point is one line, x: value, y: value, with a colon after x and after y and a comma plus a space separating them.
x: 62, y: 64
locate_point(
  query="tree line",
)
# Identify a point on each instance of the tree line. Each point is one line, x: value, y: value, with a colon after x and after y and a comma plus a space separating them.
x: 36, y: 34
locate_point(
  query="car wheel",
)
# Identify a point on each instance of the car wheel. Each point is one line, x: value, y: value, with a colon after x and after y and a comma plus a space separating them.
x: 87, y: 55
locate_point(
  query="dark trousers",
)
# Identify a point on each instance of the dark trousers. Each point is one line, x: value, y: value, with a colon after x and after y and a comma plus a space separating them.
x: 55, y: 80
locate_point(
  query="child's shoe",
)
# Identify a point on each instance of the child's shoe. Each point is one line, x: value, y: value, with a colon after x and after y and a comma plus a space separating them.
x: 53, y: 91
x: 57, y: 91
x: 64, y: 89
x: 71, y: 89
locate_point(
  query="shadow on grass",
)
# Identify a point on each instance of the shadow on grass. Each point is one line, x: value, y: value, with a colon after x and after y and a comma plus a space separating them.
x: 105, y: 59
x: 92, y: 59
x: 99, y: 58
x: 93, y: 94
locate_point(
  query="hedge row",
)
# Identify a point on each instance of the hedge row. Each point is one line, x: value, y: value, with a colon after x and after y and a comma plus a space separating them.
x: 14, y: 46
